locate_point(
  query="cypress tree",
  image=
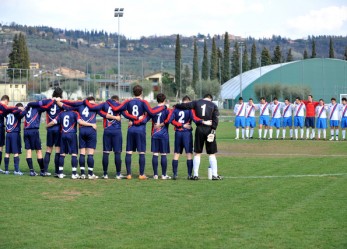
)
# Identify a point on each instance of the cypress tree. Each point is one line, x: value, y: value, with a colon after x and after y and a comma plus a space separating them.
x: 245, y: 62
x: 220, y: 66
x: 195, y: 67
x: 214, y: 61
x: 314, y: 54
x: 204, y: 69
x: 306, y: 55
x: 19, y: 58
x: 331, y: 49
x: 235, y: 65
x: 265, y: 57
x: 289, y: 55
x: 277, y: 55
x: 254, y: 62
x: 226, y: 58
x: 178, y: 62
x: 186, y: 78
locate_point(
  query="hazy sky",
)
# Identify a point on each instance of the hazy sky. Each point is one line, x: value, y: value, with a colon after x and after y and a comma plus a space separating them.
x: 257, y: 18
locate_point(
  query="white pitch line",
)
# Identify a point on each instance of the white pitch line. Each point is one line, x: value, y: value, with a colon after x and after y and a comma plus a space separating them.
x: 284, y: 176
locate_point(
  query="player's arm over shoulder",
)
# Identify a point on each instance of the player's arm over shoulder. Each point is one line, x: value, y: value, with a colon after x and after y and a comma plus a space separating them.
x: 215, y: 117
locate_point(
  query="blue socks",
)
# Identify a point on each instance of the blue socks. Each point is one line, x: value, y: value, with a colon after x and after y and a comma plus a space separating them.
x: 16, y: 163
x: 128, y: 163
x: 105, y: 162
x: 56, y: 162
x: 163, y: 163
x: 90, y: 163
x: 30, y: 164
x: 174, y: 167
x: 118, y: 162
x: 46, y: 160
x: 142, y: 162
x: 74, y: 164
x: 82, y: 162
x: 40, y: 162
x: 6, y: 161
x: 155, y: 164
x: 61, y: 164
x: 190, y: 167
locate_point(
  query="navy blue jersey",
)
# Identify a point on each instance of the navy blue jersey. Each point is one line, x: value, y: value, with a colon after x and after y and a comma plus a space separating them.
x: 111, y: 124
x: 160, y: 117
x: 13, y: 121
x: 68, y: 121
x: 180, y: 117
x: 4, y: 110
x: 33, y: 117
x: 52, y: 111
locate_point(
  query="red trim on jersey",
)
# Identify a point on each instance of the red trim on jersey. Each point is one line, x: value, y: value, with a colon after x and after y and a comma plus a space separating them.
x: 321, y: 111
x: 285, y: 110
x: 332, y: 112
x: 196, y: 118
x: 238, y: 114
x: 263, y: 110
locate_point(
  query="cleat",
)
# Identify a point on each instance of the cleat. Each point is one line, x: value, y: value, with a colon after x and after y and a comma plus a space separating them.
x: 42, y: 173
x: 57, y: 175
x: 194, y: 178
x: 61, y: 176
x: 166, y: 177
x: 155, y: 177
x: 92, y: 177
x: 33, y: 173
x: 105, y: 177
x: 236, y: 138
x: 142, y: 177
x: 189, y: 177
x: 291, y: 138
x: 1, y: 171
x: 120, y: 177
x: 83, y: 176
x: 129, y: 177
x: 251, y: 138
x: 331, y: 139
x: 18, y: 173
x: 75, y: 176
x: 47, y: 174
x: 6, y: 172
x: 216, y: 178
x: 174, y: 177
x: 337, y: 139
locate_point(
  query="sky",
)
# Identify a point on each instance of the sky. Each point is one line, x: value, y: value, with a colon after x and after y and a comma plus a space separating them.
x: 257, y: 18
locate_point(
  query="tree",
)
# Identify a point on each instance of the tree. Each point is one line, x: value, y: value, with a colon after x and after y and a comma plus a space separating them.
x: 195, y: 67
x: 186, y: 78
x: 346, y: 53
x: 245, y: 62
x: 19, y: 58
x: 220, y: 65
x: 289, y: 55
x: 265, y: 57
x: 331, y: 49
x: 306, y: 55
x: 70, y: 87
x: 169, y: 87
x: 314, y: 54
x: 214, y: 61
x: 277, y: 55
x: 235, y: 64
x: 226, y: 59
x: 178, y: 58
x: 209, y: 86
x: 254, y: 62
x: 204, y: 68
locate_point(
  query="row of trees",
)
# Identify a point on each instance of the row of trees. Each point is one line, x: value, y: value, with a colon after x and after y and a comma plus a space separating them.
x: 270, y: 91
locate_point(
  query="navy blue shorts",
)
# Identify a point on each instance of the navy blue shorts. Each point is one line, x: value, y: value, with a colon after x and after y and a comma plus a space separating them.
x: 136, y: 141
x: 68, y: 143
x: 160, y: 145
x: 112, y: 140
x: 2, y: 137
x: 183, y: 139
x: 53, y: 138
x: 310, y: 122
x: 32, y: 139
x: 87, y: 138
x: 13, y: 143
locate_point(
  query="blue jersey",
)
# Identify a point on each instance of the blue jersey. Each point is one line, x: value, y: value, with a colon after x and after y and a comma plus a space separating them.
x: 180, y: 117
x: 68, y: 121
x: 52, y: 111
x: 159, y: 118
x: 33, y: 117
x: 4, y: 110
x: 13, y: 121
x: 111, y: 124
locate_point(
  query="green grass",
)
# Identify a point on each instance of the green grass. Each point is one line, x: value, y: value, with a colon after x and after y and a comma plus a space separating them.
x: 238, y: 212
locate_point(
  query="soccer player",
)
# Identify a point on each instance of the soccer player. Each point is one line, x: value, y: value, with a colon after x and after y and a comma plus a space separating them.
x: 275, y: 108
x: 240, y: 121
x: 69, y: 145
x: 263, y: 108
x: 287, y: 120
x: 250, y: 118
x: 181, y: 119
x: 334, y: 116
x: 343, y: 110
x: 299, y: 113
x: 310, y: 116
x: 13, y: 139
x: 321, y: 113
x: 205, y: 133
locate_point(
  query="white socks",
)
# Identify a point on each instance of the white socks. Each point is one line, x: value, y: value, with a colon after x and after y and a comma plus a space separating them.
x: 270, y: 132
x: 237, y: 132
x: 196, y: 165
x: 247, y: 133
x: 252, y: 131
x: 213, y: 164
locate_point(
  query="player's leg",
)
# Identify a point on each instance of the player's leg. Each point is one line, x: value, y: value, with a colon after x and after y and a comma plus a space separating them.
x: 129, y: 151
x: 73, y: 150
x: 237, y: 126
x: 252, y: 126
x: 117, y: 142
x: 164, y: 149
x: 188, y: 147
x: 107, y: 147
x: 40, y: 162
x: 2, y: 143
x: 266, y: 128
x: 155, y: 165
x: 178, y: 148
x: 141, y: 148
x: 332, y: 131
x: 313, y: 133
x: 74, y: 164
x: 56, y: 158
x: 199, y: 142
x: 243, y: 124
x: 272, y: 124
x: 260, y: 127
x: 211, y: 150
x: 6, y: 162
x: 337, y: 130
x: 82, y: 158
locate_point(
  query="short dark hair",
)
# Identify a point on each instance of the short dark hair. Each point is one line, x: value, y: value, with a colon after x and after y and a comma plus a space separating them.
x: 57, y: 93
x: 275, y: 98
x: 240, y: 98
x: 250, y: 99
x: 310, y: 96
x: 344, y: 99
x: 5, y: 97
x: 286, y: 99
x: 333, y: 99
x: 137, y: 90
x: 298, y: 98
x: 161, y: 97
x: 90, y: 98
x: 186, y: 98
x: 262, y: 98
x: 115, y: 97
x: 19, y: 105
x: 207, y: 95
x: 321, y: 100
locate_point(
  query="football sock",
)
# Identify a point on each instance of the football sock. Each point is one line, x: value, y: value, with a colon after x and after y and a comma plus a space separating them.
x: 324, y: 133
x: 40, y: 162
x: 118, y: 162
x: 196, y: 165
x: 128, y: 163
x: 16, y: 163
x: 163, y: 162
x: 270, y: 133
x: 283, y: 133
x: 90, y: 163
x: 301, y: 132
x: 30, y: 164
x: 343, y: 134
x: 82, y: 162
x: 61, y: 164
x: 175, y: 167
x: 313, y: 133
x: 265, y: 133
x: 337, y: 134
x: 74, y: 164
x: 319, y: 132
x: 291, y: 132
x: 213, y: 164
x: 155, y: 165
x: 247, y: 133
x: 0, y: 157
x: 142, y: 163
x: 105, y: 162
x: 259, y: 132
x: 332, y: 133
x: 307, y: 133
x: 237, y: 132
x: 56, y: 162
x: 243, y: 133
x: 6, y: 161
x: 277, y: 133
x: 251, y: 133
x: 46, y: 160
x: 296, y: 133
x: 189, y: 166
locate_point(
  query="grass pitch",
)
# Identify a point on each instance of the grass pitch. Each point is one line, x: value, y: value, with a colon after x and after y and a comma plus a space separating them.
x: 276, y: 194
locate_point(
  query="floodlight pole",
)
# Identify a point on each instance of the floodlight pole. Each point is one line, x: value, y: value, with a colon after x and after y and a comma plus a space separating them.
x: 118, y: 12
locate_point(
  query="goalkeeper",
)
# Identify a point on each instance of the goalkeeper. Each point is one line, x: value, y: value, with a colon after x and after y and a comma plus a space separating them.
x: 204, y: 134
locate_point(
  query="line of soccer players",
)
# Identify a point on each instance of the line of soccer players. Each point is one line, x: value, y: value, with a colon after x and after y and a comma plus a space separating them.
x: 64, y: 116
x: 279, y: 115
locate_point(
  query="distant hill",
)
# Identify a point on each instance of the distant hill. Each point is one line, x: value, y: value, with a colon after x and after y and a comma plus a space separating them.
x: 96, y: 52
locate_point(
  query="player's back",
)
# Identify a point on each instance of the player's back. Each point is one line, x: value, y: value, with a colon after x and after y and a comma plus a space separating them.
x: 136, y: 107
x: 52, y: 112
x: 205, y: 109
x: 86, y: 115
x: 68, y: 121
x: 111, y: 124
x: 159, y: 118
x: 33, y: 117
x: 13, y: 122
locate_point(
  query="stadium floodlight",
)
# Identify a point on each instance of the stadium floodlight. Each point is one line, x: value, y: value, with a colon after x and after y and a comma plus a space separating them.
x: 118, y: 12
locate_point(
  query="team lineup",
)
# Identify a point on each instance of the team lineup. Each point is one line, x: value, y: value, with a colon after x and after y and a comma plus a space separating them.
x: 282, y: 118
x: 64, y: 116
